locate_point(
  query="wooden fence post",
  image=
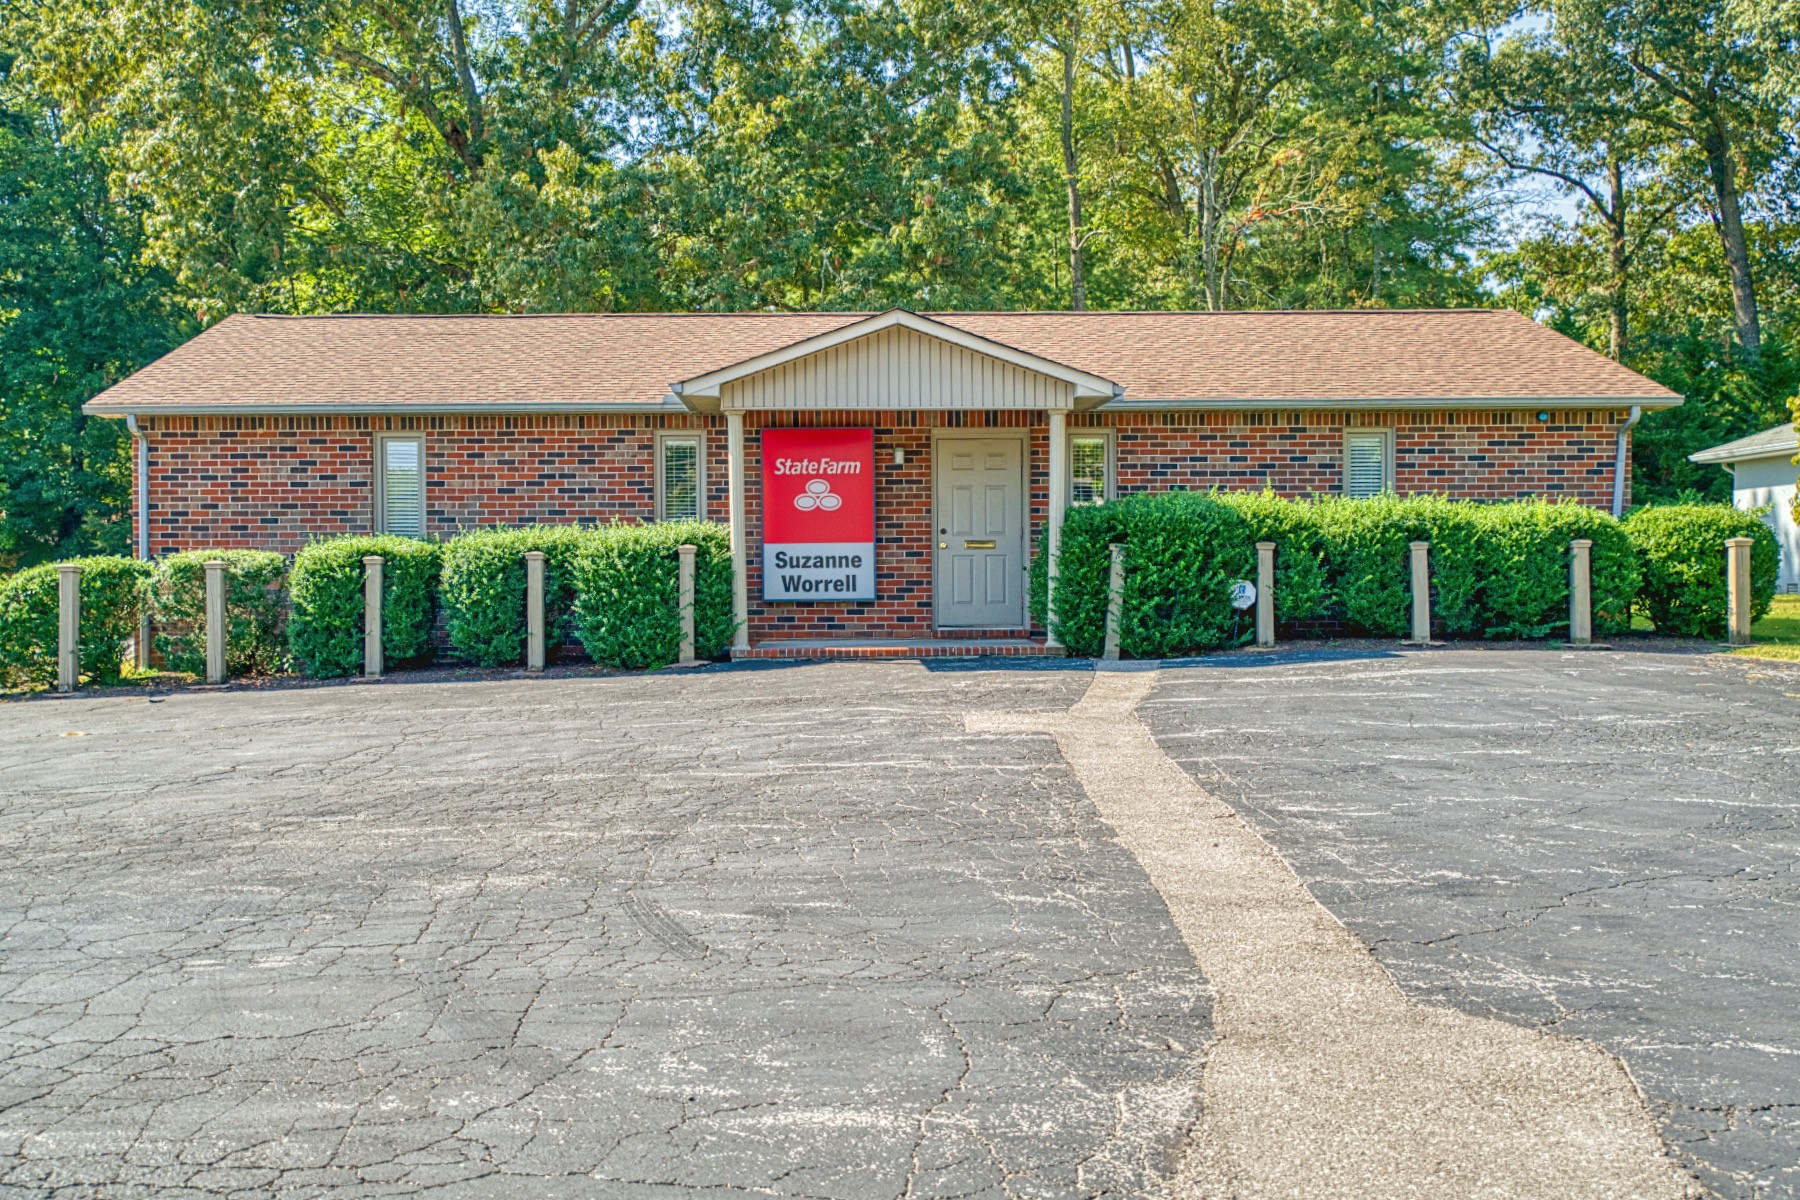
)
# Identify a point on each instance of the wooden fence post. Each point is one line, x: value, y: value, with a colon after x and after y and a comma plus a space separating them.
x: 1265, y: 593
x: 372, y: 661
x: 1115, y: 602
x: 684, y: 599
x: 1737, y: 589
x: 1421, y: 594
x: 68, y: 627
x: 1581, y: 592
x: 215, y: 621
x: 534, y: 610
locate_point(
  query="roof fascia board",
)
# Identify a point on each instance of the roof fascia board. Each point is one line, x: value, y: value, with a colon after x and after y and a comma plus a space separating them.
x: 1780, y: 453
x: 1391, y: 402
x: 706, y: 387
x: 421, y: 408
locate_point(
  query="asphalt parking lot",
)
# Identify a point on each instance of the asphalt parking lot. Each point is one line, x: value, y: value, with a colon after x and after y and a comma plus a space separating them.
x: 1604, y: 845
x: 776, y: 932
x: 810, y: 931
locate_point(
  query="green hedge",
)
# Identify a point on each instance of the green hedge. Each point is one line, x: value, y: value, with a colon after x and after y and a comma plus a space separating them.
x: 1681, y: 550
x: 625, y: 592
x: 483, y: 590
x: 325, y: 622
x: 255, y: 611
x: 1183, y: 551
x: 1497, y: 570
x: 1524, y: 588
x: 112, y: 599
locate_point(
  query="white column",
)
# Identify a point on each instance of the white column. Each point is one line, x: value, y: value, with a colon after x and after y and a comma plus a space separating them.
x: 740, y: 587
x: 684, y: 600
x: 1737, y: 589
x: 1059, y: 503
x: 1265, y: 593
x: 1581, y: 595
x: 215, y: 620
x: 1115, y: 602
x: 372, y: 657
x: 1421, y: 593
x: 68, y: 627
x: 534, y: 610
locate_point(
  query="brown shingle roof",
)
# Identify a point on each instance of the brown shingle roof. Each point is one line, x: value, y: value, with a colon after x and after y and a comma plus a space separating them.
x: 587, y: 361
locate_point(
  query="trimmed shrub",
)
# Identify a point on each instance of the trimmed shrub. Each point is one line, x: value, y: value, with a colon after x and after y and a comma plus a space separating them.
x: 626, y: 578
x: 1368, y: 561
x: 1183, y: 551
x: 255, y: 611
x: 482, y: 589
x: 1681, y: 552
x: 1300, y: 591
x: 112, y: 599
x: 325, y: 625
x: 1524, y: 557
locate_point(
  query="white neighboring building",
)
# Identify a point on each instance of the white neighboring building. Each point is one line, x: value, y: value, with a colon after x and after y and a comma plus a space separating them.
x: 1762, y: 474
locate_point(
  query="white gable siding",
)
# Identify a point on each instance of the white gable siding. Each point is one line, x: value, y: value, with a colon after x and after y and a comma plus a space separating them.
x: 897, y: 369
x: 1769, y: 482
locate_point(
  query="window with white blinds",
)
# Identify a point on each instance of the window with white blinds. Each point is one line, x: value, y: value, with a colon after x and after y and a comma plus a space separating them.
x: 678, y: 478
x: 1366, y: 462
x: 402, y: 486
x: 1087, y: 469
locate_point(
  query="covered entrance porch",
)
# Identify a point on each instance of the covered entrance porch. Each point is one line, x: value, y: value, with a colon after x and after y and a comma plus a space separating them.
x: 946, y: 458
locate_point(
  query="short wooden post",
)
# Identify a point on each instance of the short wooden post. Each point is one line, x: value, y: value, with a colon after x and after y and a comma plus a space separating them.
x: 1581, y: 592
x: 140, y: 651
x: 372, y: 662
x: 1265, y: 593
x: 1421, y: 593
x: 1115, y: 602
x: 534, y: 610
x: 68, y: 627
x: 684, y: 600
x: 215, y: 621
x: 1737, y: 589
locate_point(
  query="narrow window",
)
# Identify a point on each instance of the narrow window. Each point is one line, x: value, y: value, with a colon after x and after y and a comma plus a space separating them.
x: 1366, y: 463
x: 679, y: 478
x: 1088, y: 469
x: 400, y: 488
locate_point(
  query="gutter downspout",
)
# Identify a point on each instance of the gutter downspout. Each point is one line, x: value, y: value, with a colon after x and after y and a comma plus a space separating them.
x: 141, y: 651
x: 1619, y: 463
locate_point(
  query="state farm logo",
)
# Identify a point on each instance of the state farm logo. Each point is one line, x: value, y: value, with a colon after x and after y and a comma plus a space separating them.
x: 818, y: 494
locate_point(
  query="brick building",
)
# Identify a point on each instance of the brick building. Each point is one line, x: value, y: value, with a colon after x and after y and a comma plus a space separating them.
x: 955, y: 436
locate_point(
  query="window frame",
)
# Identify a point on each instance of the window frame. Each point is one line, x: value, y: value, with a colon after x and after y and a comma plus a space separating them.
x: 663, y: 438
x: 1109, y: 490
x: 381, y: 499
x: 1387, y: 458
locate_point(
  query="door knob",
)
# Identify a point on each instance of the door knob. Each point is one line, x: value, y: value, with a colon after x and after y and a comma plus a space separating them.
x: 943, y: 545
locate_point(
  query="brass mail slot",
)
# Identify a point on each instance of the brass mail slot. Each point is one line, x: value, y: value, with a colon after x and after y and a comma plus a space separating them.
x: 988, y: 544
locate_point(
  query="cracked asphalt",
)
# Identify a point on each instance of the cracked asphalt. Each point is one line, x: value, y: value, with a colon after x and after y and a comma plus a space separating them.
x: 1599, y: 844
x: 779, y: 932
x: 797, y: 931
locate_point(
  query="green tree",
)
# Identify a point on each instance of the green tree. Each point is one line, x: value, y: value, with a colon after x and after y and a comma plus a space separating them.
x: 78, y: 311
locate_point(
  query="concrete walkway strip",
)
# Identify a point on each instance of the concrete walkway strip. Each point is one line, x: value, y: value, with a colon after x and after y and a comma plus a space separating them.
x: 1324, y: 1079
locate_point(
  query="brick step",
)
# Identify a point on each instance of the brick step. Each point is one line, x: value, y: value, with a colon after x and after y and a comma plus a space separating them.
x: 950, y: 647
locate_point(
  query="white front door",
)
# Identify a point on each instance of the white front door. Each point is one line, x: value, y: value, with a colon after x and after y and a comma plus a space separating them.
x: 980, y: 527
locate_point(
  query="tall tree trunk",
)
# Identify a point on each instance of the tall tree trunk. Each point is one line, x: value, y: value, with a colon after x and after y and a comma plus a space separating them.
x: 465, y: 74
x: 1731, y: 232
x: 1071, y: 164
x: 1620, y: 260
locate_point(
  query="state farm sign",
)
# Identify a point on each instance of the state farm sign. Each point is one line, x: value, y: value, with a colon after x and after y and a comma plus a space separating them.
x: 818, y: 503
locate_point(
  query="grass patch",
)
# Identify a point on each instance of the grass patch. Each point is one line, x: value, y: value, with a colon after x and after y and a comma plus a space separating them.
x: 1778, y: 634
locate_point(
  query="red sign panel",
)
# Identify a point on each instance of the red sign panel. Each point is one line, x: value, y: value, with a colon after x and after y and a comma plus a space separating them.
x: 818, y: 492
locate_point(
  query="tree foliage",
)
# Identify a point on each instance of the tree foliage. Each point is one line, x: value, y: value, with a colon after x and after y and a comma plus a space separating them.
x: 1622, y: 169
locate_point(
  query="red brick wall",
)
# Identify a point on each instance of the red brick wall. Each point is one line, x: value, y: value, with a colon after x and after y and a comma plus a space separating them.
x: 1499, y: 455
x: 275, y: 482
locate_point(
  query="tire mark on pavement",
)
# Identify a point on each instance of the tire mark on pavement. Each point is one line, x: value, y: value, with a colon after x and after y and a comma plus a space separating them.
x: 1324, y: 1080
